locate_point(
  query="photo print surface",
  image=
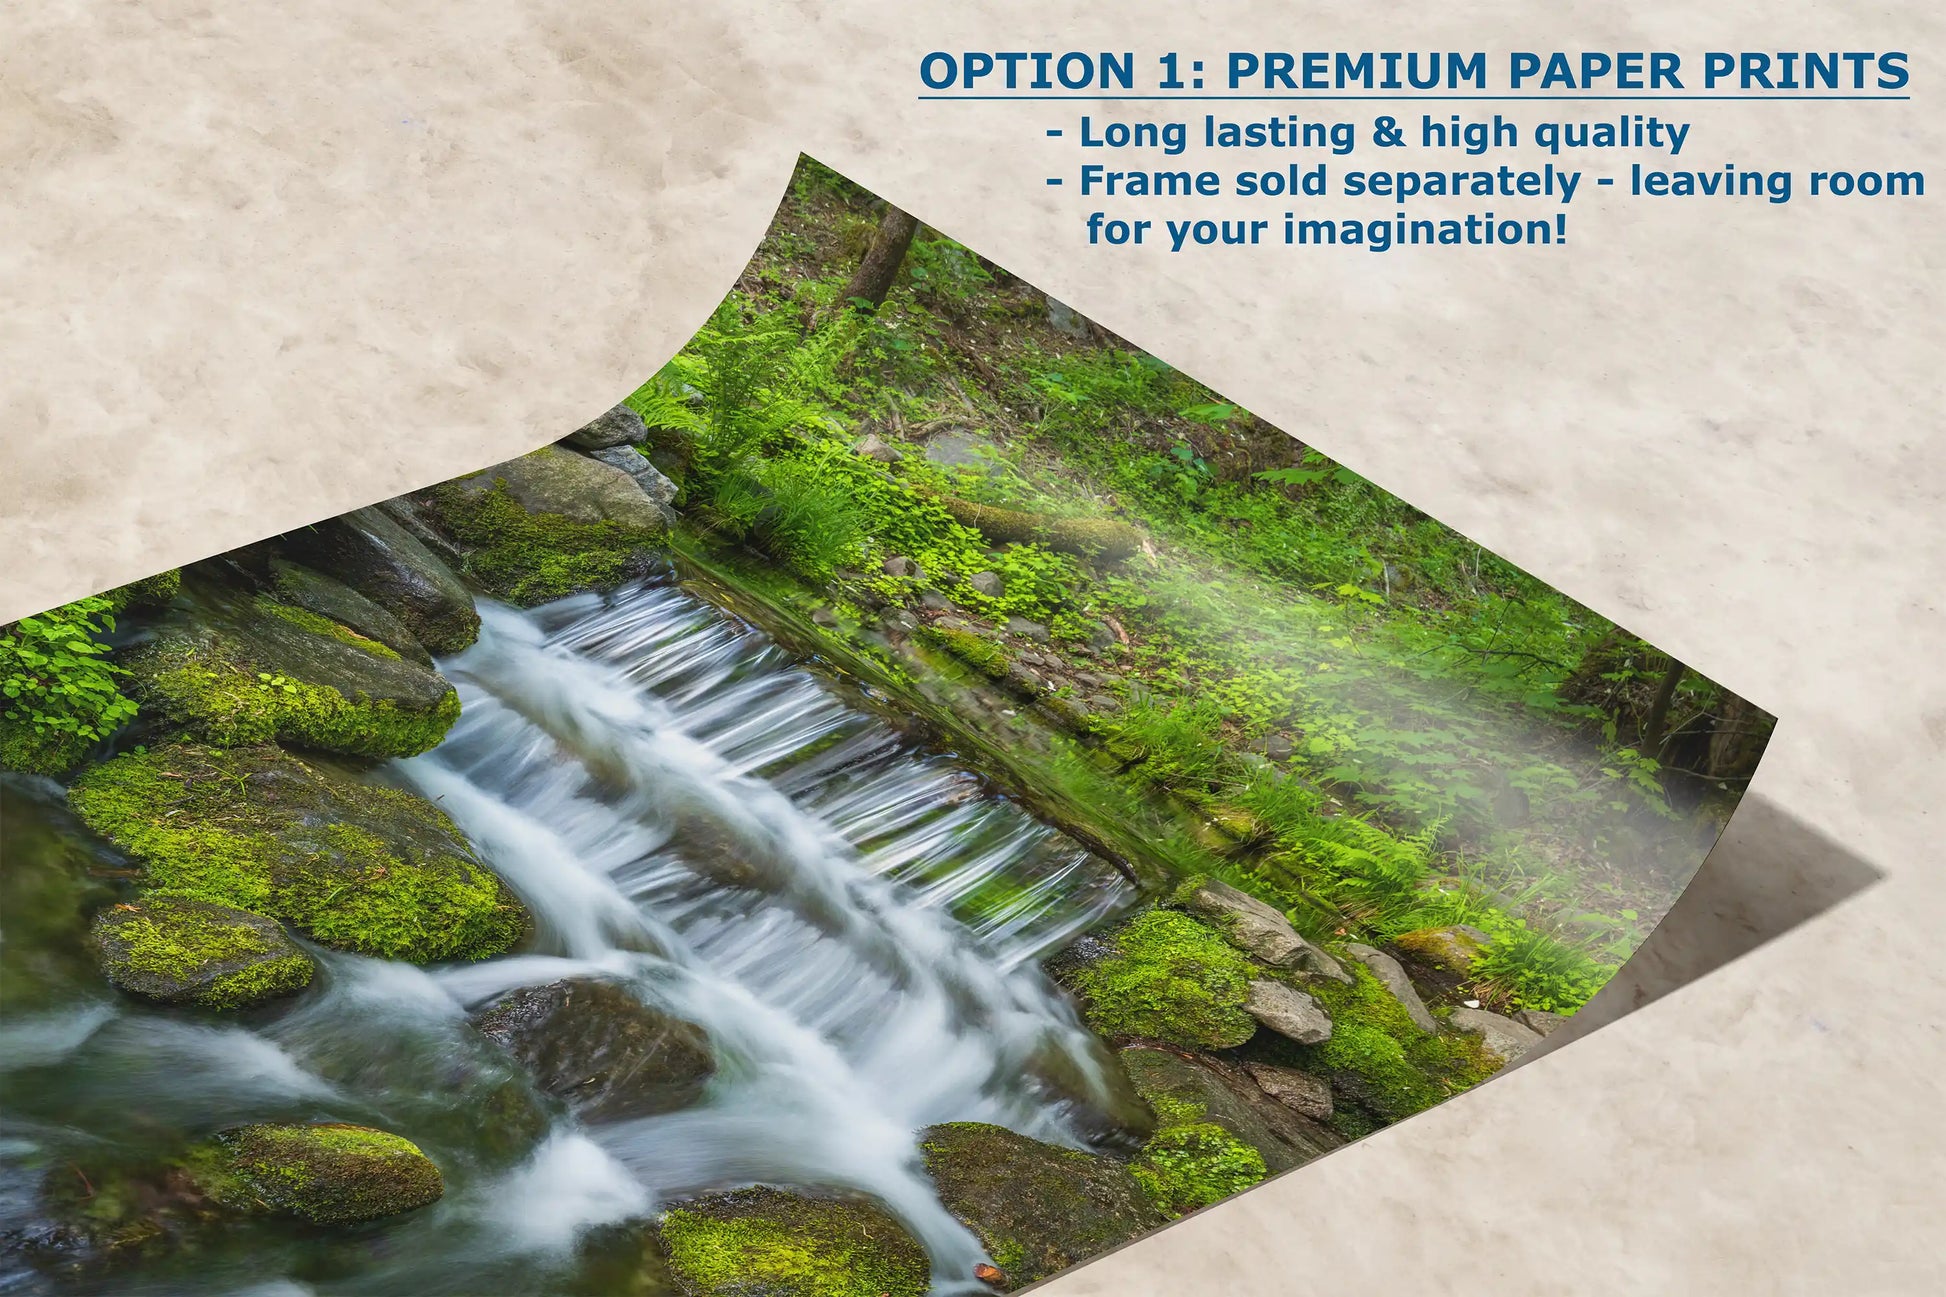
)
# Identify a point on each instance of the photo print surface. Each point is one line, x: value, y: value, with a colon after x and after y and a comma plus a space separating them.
x: 916, y: 795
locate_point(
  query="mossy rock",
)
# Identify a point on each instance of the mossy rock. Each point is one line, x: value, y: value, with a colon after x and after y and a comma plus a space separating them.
x: 179, y: 950
x: 1035, y: 1208
x: 328, y: 1174
x: 596, y: 1045
x: 150, y: 592
x: 371, y: 552
x: 1187, y: 1091
x: 243, y: 669
x: 1169, y: 978
x: 1453, y: 948
x: 550, y: 524
x: 356, y: 866
x: 326, y: 596
x: 1095, y: 1091
x: 767, y: 1243
x: 1380, y: 1060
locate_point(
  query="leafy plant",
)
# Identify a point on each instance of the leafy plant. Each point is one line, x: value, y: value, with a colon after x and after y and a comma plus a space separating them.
x: 60, y: 690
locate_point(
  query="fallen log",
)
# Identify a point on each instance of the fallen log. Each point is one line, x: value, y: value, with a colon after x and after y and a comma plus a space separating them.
x: 1108, y: 539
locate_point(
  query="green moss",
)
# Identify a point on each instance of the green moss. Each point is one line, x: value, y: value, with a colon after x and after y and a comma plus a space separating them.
x: 977, y: 651
x: 529, y: 558
x: 189, y: 939
x: 149, y: 592
x: 1397, y: 1070
x: 37, y: 751
x: 1195, y: 1164
x: 359, y: 867
x: 781, y: 1245
x: 1171, y: 979
x: 230, y: 703
x: 318, y: 625
x: 327, y: 1174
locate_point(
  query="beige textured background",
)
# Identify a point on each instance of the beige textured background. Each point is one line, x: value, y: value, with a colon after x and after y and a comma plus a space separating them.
x: 260, y: 264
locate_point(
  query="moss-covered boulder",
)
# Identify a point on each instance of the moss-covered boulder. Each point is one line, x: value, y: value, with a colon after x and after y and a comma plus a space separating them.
x: 373, y: 554
x: 244, y: 669
x: 549, y: 524
x: 328, y: 1174
x: 1380, y: 1060
x: 1167, y: 977
x: 1253, y: 926
x: 328, y: 597
x: 766, y: 1243
x: 1035, y: 1208
x: 355, y: 866
x: 179, y: 950
x: 1453, y: 948
x: 150, y: 592
x: 1194, y: 1091
x: 596, y: 1045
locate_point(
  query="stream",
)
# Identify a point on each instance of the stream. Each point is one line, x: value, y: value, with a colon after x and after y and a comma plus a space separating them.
x: 687, y: 812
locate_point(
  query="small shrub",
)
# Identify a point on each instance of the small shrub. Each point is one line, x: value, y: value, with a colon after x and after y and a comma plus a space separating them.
x: 60, y: 691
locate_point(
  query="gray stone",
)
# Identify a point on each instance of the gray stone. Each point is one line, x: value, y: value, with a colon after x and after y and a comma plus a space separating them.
x: 329, y: 597
x: 1289, y: 1012
x: 647, y: 476
x: 1065, y: 319
x: 556, y: 481
x: 1392, y: 977
x: 1254, y: 926
x: 1277, y: 747
x: 933, y: 601
x: 1540, y: 1021
x: 1453, y: 948
x: 877, y: 448
x: 959, y: 448
x: 987, y: 583
x: 824, y: 617
x: 1299, y: 1091
x: 371, y: 552
x: 899, y: 566
x: 1504, y: 1038
x: 1104, y: 703
x: 1201, y: 1088
x: 176, y: 950
x: 1101, y: 638
x: 1032, y: 630
x: 596, y: 1045
x: 620, y: 426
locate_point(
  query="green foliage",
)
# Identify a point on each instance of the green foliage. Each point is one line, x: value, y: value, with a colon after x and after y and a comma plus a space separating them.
x: 1170, y: 979
x: 1195, y: 1164
x: 59, y: 691
x: 1177, y: 745
x: 1530, y: 968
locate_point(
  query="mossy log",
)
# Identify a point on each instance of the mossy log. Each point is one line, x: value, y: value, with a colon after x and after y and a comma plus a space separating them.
x: 1108, y: 539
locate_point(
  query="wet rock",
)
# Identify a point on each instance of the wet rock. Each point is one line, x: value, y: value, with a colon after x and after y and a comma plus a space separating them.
x: 1289, y: 1012
x: 182, y: 951
x: 1032, y: 630
x: 1100, y: 1099
x: 331, y: 598
x: 1454, y: 948
x: 1391, y: 975
x: 327, y: 1174
x: 1187, y: 1090
x: 933, y: 601
x: 875, y: 447
x: 242, y: 669
x: 1540, y: 1021
x: 620, y: 426
x: 1503, y: 1038
x: 767, y: 1243
x: 596, y: 1045
x: 354, y: 866
x: 550, y: 524
x: 1254, y: 926
x: 898, y: 565
x: 1299, y: 1091
x: 557, y: 482
x: 372, y: 553
x: 1035, y: 1208
x: 987, y: 583
x: 647, y: 476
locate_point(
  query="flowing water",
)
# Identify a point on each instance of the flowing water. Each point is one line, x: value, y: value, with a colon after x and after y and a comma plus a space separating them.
x: 686, y: 812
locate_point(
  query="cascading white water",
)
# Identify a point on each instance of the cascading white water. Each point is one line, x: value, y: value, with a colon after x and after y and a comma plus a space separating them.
x: 688, y: 812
